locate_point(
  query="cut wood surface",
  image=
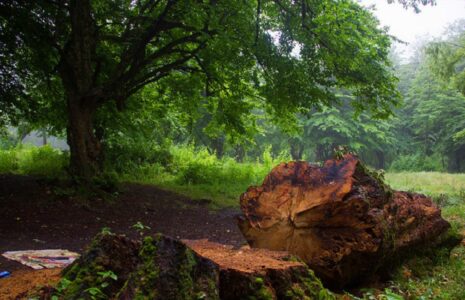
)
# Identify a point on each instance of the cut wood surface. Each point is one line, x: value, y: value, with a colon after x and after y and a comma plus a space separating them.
x: 161, y: 267
x: 341, y: 219
x: 260, y: 273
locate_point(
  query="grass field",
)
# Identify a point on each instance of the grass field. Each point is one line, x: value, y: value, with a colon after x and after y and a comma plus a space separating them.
x: 430, y: 183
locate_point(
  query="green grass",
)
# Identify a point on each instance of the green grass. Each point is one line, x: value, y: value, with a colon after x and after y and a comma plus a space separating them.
x: 201, y: 175
x: 430, y: 183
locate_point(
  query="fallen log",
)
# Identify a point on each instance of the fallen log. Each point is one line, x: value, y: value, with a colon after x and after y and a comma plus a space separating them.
x: 159, y: 267
x: 341, y: 218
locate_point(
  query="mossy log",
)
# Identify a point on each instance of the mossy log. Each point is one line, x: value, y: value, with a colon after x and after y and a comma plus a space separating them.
x: 159, y: 267
x: 341, y: 218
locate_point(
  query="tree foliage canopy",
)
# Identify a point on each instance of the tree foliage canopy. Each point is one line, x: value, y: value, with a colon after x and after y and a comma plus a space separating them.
x: 68, y: 63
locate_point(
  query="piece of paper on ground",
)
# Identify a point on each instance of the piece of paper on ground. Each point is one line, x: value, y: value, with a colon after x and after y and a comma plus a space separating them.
x: 40, y: 259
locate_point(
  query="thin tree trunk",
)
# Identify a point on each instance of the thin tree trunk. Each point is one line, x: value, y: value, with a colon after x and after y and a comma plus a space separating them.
x: 240, y: 153
x: 297, y: 148
x: 381, y: 159
x: 44, y: 138
x: 319, y: 153
x: 218, y: 146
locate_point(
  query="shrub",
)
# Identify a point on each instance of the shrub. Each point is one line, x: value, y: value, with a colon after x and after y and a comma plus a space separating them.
x: 127, y: 155
x: 8, y: 161
x: 45, y: 161
x: 416, y: 163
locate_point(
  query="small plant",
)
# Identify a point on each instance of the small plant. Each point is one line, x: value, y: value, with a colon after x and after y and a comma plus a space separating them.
x: 342, y: 150
x: 370, y: 294
x: 96, y: 292
x: 108, y: 274
x: 140, y: 228
x: 61, y: 287
x: 105, y: 230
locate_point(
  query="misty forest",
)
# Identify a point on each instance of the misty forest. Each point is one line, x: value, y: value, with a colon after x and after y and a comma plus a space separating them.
x: 263, y: 149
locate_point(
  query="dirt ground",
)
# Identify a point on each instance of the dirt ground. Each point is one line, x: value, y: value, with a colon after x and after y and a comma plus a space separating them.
x: 32, y: 217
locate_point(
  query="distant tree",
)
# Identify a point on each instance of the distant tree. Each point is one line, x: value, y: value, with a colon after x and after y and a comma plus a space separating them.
x: 415, y: 4
x: 432, y: 119
x: 334, y: 126
x: 77, y: 61
x: 447, y: 57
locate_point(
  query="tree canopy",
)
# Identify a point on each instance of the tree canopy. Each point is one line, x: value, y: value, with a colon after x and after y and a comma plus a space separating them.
x: 67, y: 64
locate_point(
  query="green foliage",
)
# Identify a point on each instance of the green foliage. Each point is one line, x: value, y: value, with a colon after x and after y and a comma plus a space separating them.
x: 141, y: 228
x: 201, y: 65
x: 430, y: 125
x: 417, y: 163
x: 203, y: 175
x: 448, y: 57
x: 96, y: 291
x: 7, y: 140
x: 43, y: 161
x: 8, y: 161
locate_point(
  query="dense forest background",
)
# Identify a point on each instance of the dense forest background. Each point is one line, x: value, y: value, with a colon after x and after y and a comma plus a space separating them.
x: 425, y: 134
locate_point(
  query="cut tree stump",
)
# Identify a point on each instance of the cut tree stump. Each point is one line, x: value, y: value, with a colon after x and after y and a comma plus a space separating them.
x: 341, y: 219
x: 159, y: 267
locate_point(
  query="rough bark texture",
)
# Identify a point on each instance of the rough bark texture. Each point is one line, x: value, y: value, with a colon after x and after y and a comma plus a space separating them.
x: 85, y: 147
x: 164, y: 268
x: 77, y: 71
x: 341, y: 219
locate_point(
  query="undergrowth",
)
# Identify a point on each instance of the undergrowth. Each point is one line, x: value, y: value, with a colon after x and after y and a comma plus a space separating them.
x: 201, y: 175
x: 29, y: 160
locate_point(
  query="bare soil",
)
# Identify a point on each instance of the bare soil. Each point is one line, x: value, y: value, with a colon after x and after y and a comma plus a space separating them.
x: 33, y: 217
x: 23, y: 281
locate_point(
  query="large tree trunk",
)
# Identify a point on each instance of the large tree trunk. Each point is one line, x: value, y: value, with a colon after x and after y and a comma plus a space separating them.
x: 78, y: 74
x: 341, y: 219
x: 85, y: 147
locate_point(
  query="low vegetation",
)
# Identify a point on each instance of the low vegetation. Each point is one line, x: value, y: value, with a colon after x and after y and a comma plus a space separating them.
x: 201, y: 175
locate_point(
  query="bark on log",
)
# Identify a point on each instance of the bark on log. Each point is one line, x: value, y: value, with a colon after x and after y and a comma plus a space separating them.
x: 341, y: 219
x: 164, y: 268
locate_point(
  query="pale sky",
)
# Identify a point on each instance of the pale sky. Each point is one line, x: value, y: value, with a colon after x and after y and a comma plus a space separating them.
x: 406, y: 25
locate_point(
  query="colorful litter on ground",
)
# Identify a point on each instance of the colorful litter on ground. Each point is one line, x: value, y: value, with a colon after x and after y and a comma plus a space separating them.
x: 43, y: 259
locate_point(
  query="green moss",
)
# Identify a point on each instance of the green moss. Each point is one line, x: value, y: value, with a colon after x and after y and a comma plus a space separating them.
x: 185, y: 283
x: 307, y: 287
x: 378, y: 176
x: 148, y: 273
x: 261, y: 291
x: 296, y: 292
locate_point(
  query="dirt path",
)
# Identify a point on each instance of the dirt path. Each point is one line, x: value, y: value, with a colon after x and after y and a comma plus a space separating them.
x: 31, y: 217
